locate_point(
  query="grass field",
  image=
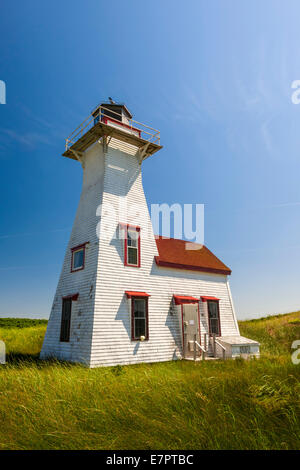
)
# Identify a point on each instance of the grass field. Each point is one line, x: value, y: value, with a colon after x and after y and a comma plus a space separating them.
x: 176, y: 405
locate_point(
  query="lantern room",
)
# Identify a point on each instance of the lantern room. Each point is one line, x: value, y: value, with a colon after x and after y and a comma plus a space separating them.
x: 112, y: 111
x: 111, y: 120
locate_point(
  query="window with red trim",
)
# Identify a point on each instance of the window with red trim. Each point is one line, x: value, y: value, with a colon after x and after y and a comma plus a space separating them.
x: 214, y: 317
x: 139, y: 318
x: 78, y: 258
x: 132, y: 246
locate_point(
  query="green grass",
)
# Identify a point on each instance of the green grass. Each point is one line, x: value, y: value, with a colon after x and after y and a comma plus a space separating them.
x: 176, y: 405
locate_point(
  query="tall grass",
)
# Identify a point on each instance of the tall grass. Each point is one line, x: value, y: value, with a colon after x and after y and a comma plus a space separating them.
x: 177, y: 405
x: 275, y: 333
x: 23, y: 342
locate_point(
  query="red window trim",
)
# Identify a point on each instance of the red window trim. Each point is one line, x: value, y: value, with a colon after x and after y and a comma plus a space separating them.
x: 130, y: 294
x: 123, y: 124
x: 137, y: 229
x: 142, y: 295
x: 73, y: 297
x: 185, y: 299
x: 215, y: 300
x: 205, y: 298
x: 75, y: 248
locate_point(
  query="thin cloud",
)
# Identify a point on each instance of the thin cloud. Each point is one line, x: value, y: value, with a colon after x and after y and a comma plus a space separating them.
x: 32, y: 234
x: 30, y: 139
x: 286, y: 204
x: 32, y: 266
x: 258, y: 249
x: 267, y: 136
x: 34, y: 117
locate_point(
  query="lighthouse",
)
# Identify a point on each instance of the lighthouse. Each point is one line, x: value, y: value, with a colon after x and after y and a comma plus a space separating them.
x: 126, y: 295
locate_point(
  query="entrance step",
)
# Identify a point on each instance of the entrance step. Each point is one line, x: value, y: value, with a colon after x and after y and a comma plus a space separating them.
x: 198, y: 359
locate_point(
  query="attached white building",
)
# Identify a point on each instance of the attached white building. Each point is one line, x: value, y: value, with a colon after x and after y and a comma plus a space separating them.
x: 125, y: 296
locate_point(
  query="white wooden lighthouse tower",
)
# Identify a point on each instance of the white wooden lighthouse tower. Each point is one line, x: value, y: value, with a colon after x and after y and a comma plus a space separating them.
x: 110, y: 147
x: 123, y: 299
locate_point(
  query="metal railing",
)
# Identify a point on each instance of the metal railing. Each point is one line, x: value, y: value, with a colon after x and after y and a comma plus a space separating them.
x: 216, y: 343
x: 200, y: 347
x: 112, y: 118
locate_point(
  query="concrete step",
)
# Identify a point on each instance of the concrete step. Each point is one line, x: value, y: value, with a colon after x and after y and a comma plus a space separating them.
x: 209, y: 358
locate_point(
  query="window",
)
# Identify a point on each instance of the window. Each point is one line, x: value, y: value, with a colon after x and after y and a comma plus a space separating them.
x: 78, y: 258
x: 245, y: 349
x: 66, y: 320
x: 132, y: 246
x: 213, y: 317
x: 139, y: 317
x: 114, y: 112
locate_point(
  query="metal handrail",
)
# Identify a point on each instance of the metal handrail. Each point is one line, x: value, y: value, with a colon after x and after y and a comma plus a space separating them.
x: 222, y: 347
x: 153, y: 137
x: 200, y: 347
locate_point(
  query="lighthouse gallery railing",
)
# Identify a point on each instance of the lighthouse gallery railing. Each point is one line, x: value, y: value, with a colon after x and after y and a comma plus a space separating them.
x: 102, y: 114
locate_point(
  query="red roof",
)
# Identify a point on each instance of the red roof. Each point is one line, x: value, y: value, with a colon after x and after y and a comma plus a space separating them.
x: 180, y: 254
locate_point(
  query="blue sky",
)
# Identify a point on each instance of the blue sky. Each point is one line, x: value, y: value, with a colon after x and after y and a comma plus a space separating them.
x: 214, y: 76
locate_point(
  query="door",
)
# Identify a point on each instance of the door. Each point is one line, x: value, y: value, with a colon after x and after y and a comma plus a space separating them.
x: 190, y: 317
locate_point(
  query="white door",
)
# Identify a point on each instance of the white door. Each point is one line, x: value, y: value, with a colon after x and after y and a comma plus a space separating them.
x: 190, y: 327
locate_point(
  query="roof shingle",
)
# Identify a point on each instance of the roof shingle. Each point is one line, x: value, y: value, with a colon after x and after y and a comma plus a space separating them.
x: 180, y: 254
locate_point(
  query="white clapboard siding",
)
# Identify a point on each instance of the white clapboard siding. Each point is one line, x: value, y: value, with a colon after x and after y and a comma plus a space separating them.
x: 84, y: 281
x: 101, y: 317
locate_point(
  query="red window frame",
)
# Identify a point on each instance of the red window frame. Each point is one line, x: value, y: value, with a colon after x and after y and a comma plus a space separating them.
x: 132, y: 299
x: 73, y: 250
x: 137, y: 229
x: 209, y: 329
